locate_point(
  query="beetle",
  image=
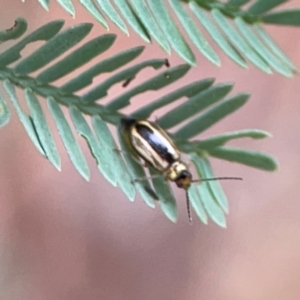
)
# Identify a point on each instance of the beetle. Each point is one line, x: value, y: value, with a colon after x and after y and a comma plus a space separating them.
x: 151, y: 143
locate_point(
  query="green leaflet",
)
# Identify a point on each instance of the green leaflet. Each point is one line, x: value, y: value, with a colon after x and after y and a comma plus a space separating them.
x: 109, y: 10
x: 68, y: 6
x: 107, y: 65
x: 262, y: 6
x: 212, y: 116
x: 53, y: 48
x: 238, y: 41
x: 150, y: 24
x: 45, y: 4
x: 262, y: 50
x: 170, y: 30
x: 165, y: 196
x: 43, y: 33
x: 99, y: 153
x: 4, y: 112
x: 194, y: 105
x: 68, y: 139
x: 216, y: 35
x: 249, y: 158
x: 197, y: 204
x: 272, y: 45
x: 155, y: 83
x: 24, y: 118
x: 194, y: 32
x: 220, y: 140
x: 113, y: 157
x: 215, y: 186
x: 77, y: 58
x: 208, y: 199
x: 101, y: 90
x: 15, y: 32
x: 238, y: 2
x: 132, y: 19
x: 42, y: 129
x: 90, y: 6
x: 186, y: 91
x: 289, y: 17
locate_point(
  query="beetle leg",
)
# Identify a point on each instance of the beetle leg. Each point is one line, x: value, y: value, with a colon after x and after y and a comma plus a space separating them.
x: 133, y: 157
x: 145, y: 178
x: 151, y: 192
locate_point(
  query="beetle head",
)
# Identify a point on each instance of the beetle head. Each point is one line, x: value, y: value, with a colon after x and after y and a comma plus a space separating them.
x: 184, y: 179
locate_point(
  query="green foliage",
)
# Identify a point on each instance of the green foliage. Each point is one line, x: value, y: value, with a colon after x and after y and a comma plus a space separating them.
x: 206, y: 103
x: 114, y: 157
x: 15, y: 32
x: 101, y: 153
x: 249, y: 158
x: 4, y: 112
x: 42, y: 129
x: 233, y: 25
x: 208, y: 198
x: 286, y: 17
x: 68, y: 139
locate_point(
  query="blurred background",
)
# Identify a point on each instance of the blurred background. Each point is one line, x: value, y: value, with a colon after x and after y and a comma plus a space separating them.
x: 63, y: 238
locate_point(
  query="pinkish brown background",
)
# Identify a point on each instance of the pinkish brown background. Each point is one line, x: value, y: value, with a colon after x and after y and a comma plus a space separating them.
x: 63, y: 238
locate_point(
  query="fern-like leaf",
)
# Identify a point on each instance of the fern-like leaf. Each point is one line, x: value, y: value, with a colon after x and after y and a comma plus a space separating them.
x: 206, y: 103
x: 155, y: 20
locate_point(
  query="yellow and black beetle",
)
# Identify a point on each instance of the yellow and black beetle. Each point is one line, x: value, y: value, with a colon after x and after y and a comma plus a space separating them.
x: 156, y: 148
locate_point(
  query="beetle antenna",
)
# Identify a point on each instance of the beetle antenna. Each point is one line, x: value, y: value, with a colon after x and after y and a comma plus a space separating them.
x: 188, y: 206
x: 218, y: 178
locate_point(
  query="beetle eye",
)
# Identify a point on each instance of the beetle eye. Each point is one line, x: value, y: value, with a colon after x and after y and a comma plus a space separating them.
x: 126, y: 123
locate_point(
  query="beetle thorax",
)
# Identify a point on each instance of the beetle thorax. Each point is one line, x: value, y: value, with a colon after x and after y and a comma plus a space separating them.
x: 179, y: 173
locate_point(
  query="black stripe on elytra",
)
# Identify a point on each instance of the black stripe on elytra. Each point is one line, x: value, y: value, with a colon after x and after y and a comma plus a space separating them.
x: 147, y: 133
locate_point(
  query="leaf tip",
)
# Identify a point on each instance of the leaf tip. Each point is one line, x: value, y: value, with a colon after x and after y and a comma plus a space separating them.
x: 275, y: 166
x: 218, y: 63
x: 205, y: 222
x: 173, y: 219
x: 268, y: 71
x: 86, y: 176
x: 190, y: 59
x: 132, y: 198
x: 223, y: 225
x: 221, y: 222
x: 226, y: 210
x: 268, y: 135
x: 245, y: 96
